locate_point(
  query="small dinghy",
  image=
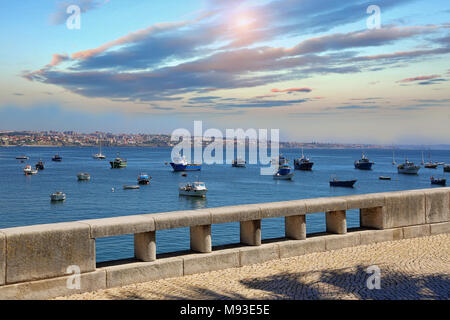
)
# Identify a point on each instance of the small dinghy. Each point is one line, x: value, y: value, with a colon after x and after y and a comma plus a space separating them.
x: 385, y: 178
x: 58, y: 196
x: 342, y: 183
x: 125, y: 187
x: 84, y: 176
x: 440, y: 182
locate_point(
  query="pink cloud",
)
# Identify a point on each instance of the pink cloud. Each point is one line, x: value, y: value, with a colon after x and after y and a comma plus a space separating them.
x: 292, y: 90
x: 420, y: 78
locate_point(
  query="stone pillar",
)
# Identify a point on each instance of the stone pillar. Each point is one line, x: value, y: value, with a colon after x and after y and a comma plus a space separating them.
x: 251, y: 232
x: 371, y: 218
x: 295, y: 227
x: 336, y: 222
x: 145, y: 246
x: 201, y: 238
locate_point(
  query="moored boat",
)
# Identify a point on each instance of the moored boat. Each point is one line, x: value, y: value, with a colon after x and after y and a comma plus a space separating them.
x: 447, y: 168
x: 384, y: 178
x: 238, y: 163
x: 441, y: 182
x: 431, y: 165
x: 364, y: 163
x: 40, y: 165
x: 408, y: 168
x: 284, y: 173
x: 57, y: 158
x: 83, y: 176
x: 143, y: 178
x: 342, y: 183
x: 99, y: 155
x: 28, y: 170
x: 303, y: 163
x: 23, y: 158
x: 118, y: 163
x: 127, y: 187
x: 58, y: 196
x: 194, y: 189
x: 181, y: 164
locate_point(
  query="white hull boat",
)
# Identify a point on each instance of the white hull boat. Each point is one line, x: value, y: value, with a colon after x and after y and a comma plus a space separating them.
x: 196, y: 189
x: 28, y: 170
x: 58, y: 196
x: 84, y: 177
x: 408, y: 168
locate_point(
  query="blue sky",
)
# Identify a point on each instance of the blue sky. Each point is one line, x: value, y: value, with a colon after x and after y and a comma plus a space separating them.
x: 312, y: 69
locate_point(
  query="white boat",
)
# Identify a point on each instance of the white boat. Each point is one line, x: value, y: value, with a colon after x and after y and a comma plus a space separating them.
x: 195, y: 189
x: 28, y: 170
x: 99, y: 155
x: 58, y: 196
x: 239, y: 163
x: 408, y: 168
x: 284, y: 172
x: 84, y: 176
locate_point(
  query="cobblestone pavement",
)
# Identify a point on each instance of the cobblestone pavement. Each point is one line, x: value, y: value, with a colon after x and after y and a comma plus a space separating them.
x: 410, y: 269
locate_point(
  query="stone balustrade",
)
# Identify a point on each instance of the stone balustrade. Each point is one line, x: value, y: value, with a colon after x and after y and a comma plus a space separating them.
x: 34, y: 260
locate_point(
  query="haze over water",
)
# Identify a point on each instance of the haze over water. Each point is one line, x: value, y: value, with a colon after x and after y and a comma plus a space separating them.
x: 24, y: 200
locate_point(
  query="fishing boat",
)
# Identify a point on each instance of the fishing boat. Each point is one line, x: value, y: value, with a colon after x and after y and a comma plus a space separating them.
x: 239, y: 163
x: 127, y: 187
x: 447, y: 168
x: 84, y: 176
x: 408, y: 168
x: 118, y: 163
x: 384, y: 178
x: 342, y: 183
x: 440, y: 182
x: 284, y: 173
x: 194, y: 189
x: 181, y: 164
x: 58, y: 196
x: 40, y: 165
x: 23, y: 158
x: 28, y: 170
x: 143, y: 178
x: 303, y: 163
x: 99, y: 155
x: 431, y: 165
x: 364, y: 163
x: 57, y: 158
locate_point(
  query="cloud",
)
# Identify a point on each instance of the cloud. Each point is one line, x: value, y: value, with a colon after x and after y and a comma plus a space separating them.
x: 419, y: 78
x: 292, y: 90
x: 357, y: 107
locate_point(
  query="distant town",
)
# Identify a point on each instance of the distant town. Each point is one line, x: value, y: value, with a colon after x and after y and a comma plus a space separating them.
x: 76, y: 139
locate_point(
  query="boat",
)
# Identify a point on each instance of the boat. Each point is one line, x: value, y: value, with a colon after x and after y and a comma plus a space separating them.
x: 58, y: 196
x: 440, y: 182
x: 431, y: 165
x: 393, y: 158
x: 423, y: 159
x: 303, y: 163
x: 40, y: 165
x: 440, y: 163
x: 195, y: 189
x: 143, y: 178
x: 57, y: 158
x: 342, y: 183
x: 284, y: 173
x: 29, y: 171
x: 364, y: 163
x: 181, y: 164
x: 126, y: 187
x: 239, y: 163
x: 23, y: 158
x: 99, y: 155
x: 118, y: 163
x: 408, y: 168
x: 384, y: 178
x: 84, y: 176
x: 447, y: 168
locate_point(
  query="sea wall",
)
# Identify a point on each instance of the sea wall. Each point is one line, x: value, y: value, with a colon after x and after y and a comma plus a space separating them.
x: 44, y: 261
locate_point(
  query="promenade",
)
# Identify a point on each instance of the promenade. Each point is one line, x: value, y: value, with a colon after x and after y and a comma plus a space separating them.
x: 417, y: 268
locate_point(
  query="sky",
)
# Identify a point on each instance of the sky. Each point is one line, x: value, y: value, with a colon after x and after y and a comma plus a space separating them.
x: 325, y: 71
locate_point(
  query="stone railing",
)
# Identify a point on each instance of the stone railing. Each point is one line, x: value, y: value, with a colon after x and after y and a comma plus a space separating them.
x: 38, y: 262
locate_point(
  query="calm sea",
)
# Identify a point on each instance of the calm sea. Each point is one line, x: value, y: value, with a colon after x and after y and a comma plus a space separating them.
x: 24, y: 200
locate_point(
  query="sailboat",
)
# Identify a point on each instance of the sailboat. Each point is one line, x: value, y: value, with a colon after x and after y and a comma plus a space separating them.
x: 393, y: 158
x: 423, y: 160
x: 99, y: 155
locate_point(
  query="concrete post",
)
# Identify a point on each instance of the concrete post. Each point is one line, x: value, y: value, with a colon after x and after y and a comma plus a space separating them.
x: 251, y: 232
x: 336, y: 222
x: 371, y: 217
x: 145, y: 246
x: 295, y: 227
x: 201, y: 238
